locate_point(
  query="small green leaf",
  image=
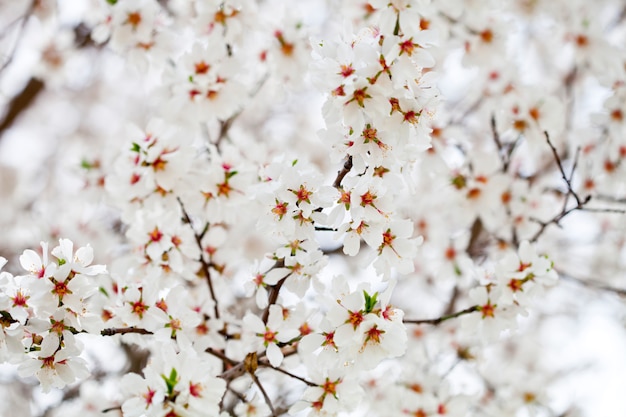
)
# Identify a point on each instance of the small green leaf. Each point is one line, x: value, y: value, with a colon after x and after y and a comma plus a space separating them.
x: 231, y: 174
x: 170, y: 381
x: 62, y: 262
x: 370, y: 301
x: 135, y: 147
x: 294, y: 162
x: 86, y: 164
x: 103, y: 291
x: 112, y: 2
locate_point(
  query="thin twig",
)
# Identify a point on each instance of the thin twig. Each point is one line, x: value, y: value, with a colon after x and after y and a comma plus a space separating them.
x: 496, y: 138
x: 264, y: 393
x: 24, y: 18
x: 265, y: 396
x: 205, y: 266
x: 612, y: 199
x: 557, y: 158
x: 580, y: 203
x: 222, y: 356
x: 441, y: 319
x: 309, y: 383
x: 593, y: 283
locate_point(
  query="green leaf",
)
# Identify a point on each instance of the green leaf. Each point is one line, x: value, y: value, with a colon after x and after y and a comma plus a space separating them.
x: 112, y: 2
x: 370, y: 301
x: 136, y: 147
x: 230, y: 174
x: 171, y: 381
x: 86, y: 164
x: 294, y: 162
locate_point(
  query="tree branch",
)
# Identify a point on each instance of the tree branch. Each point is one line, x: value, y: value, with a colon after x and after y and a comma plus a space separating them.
x: 309, y: 383
x: 441, y: 319
x: 124, y: 330
x: 580, y: 203
x: 347, y: 166
x: 205, y: 266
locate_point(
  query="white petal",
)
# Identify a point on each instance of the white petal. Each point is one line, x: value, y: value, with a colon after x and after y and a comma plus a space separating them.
x: 49, y: 345
x: 275, y: 355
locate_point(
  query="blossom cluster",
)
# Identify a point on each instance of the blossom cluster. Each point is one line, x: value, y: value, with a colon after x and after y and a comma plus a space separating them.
x: 45, y: 308
x: 329, y: 208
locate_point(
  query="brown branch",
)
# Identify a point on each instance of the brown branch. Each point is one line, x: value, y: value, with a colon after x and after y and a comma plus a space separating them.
x: 205, y: 265
x: 274, y: 291
x: 23, y: 19
x: 268, y: 401
x: 441, y: 319
x: 273, y: 296
x: 452, y: 302
x: 593, y: 284
x: 567, y: 179
x: 20, y: 103
x: 250, y: 365
x: 309, y: 383
x: 580, y: 203
x: 612, y: 199
x: 476, y: 245
x: 347, y: 166
x: 222, y: 356
x: 234, y: 372
x: 124, y: 330
x: 498, y: 142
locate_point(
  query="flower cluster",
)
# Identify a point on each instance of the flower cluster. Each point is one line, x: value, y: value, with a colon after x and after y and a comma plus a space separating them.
x: 316, y: 208
x: 43, y: 310
x: 174, y: 383
x: 519, y: 278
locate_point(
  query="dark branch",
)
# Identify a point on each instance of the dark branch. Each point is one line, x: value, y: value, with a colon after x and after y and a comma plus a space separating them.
x: 580, y: 202
x: 347, y: 166
x: 21, y: 102
x: 309, y: 383
x: 205, y: 265
x: 124, y: 330
x: 593, y: 284
x: 441, y: 319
